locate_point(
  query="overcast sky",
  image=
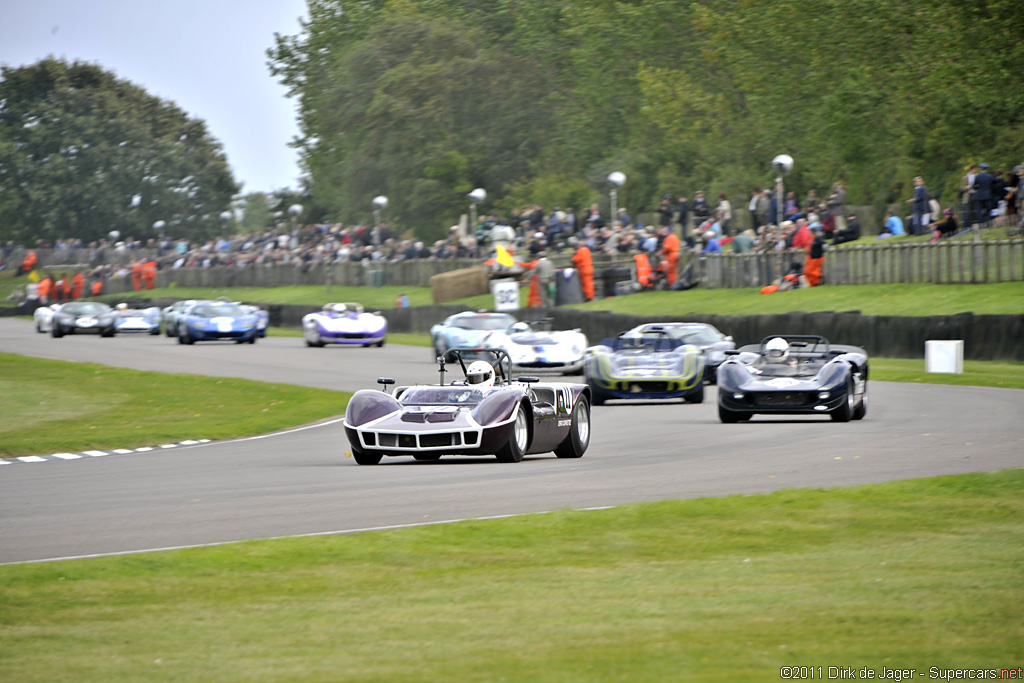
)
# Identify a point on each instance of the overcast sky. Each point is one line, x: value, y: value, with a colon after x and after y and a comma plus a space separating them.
x: 207, y: 56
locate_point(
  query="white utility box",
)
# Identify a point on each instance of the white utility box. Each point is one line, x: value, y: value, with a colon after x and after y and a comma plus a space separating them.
x: 944, y: 355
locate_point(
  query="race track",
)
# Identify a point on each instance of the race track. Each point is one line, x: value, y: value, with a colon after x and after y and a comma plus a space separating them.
x: 299, y: 482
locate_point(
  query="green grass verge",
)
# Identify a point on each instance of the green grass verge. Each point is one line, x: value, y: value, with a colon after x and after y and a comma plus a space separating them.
x: 53, y: 406
x: 1004, y: 375
x: 901, y: 299
x: 907, y: 575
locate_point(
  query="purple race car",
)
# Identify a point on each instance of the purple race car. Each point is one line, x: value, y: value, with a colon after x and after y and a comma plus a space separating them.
x: 344, y: 324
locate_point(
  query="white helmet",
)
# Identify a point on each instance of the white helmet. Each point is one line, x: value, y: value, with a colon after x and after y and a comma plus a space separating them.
x: 480, y: 374
x: 122, y: 306
x: 777, y: 350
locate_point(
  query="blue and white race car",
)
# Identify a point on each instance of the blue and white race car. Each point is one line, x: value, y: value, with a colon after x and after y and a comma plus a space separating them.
x: 467, y: 330
x: 133, y: 319
x: 217, y: 320
x: 346, y: 323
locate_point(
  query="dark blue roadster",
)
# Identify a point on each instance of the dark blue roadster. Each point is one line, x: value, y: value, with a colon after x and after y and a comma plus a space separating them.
x: 794, y: 375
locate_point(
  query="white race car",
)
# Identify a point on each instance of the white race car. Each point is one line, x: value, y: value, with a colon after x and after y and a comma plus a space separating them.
x: 44, y: 317
x: 344, y: 324
x: 534, y: 345
x: 134, y: 319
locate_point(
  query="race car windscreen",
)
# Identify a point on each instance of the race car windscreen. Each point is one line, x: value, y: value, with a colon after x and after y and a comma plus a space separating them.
x: 483, y: 322
x: 216, y: 310
x: 85, y: 308
x: 694, y: 335
x: 441, y: 396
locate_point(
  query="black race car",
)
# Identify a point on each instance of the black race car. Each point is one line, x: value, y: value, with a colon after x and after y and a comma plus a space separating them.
x: 84, y: 316
x: 487, y: 413
x: 794, y: 375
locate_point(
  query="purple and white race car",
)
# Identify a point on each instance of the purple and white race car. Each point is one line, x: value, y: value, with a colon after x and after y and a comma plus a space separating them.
x: 344, y: 323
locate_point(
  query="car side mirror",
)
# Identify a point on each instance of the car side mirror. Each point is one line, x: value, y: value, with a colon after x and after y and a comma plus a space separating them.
x: 385, y: 382
x: 731, y: 352
x: 529, y: 380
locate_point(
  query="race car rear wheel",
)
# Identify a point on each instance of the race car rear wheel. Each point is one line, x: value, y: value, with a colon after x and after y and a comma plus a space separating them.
x: 845, y: 410
x: 56, y: 332
x: 515, y: 448
x: 575, y: 444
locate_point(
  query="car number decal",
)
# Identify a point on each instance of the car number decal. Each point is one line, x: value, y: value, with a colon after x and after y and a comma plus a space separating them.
x: 782, y: 382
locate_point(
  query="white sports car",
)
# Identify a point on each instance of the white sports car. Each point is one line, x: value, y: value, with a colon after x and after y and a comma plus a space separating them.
x: 344, y: 324
x: 534, y: 345
x: 44, y: 317
x: 131, y: 319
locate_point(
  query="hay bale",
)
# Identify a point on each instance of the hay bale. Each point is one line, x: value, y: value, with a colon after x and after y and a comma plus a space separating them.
x: 459, y: 284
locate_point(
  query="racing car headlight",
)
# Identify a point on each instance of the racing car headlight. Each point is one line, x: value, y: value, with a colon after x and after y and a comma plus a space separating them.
x: 366, y: 406
x: 822, y: 395
x: 738, y: 396
x: 576, y: 350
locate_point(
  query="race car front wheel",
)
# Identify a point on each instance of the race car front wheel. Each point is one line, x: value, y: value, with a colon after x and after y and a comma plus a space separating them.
x: 575, y: 444
x: 697, y: 395
x: 845, y: 410
x: 515, y: 448
x: 363, y: 458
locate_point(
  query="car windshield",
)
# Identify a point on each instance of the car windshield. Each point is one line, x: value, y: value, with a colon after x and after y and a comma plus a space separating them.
x: 694, y: 335
x: 215, y: 310
x: 483, y: 322
x: 791, y: 367
x: 441, y: 396
x: 84, y: 308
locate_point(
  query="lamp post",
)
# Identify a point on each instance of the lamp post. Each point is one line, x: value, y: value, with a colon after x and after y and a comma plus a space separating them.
x: 477, y: 196
x: 380, y: 202
x: 617, y: 180
x: 782, y: 164
x: 294, y: 211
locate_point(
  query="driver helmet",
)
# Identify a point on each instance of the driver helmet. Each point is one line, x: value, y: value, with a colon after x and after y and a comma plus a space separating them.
x: 122, y: 307
x: 777, y: 350
x: 339, y: 308
x: 633, y: 339
x: 520, y: 327
x: 480, y: 374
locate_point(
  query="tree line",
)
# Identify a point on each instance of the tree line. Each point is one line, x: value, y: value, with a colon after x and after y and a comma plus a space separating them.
x: 538, y: 100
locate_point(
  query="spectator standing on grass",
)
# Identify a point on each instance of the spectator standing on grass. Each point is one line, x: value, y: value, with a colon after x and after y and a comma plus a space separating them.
x: 920, y: 205
x: 984, y: 188
x: 665, y: 212
x: 701, y: 209
x: 965, y: 192
x: 724, y: 209
x: 837, y: 207
x: 684, y: 215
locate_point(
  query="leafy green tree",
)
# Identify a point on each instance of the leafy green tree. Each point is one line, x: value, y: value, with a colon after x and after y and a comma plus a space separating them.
x: 83, y: 153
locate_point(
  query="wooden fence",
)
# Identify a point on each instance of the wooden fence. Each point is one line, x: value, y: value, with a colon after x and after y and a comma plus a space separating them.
x: 942, y: 263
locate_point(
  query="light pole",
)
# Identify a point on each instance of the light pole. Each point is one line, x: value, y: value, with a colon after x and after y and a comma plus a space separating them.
x: 617, y: 180
x: 294, y: 211
x: 380, y: 202
x: 477, y: 196
x: 782, y: 164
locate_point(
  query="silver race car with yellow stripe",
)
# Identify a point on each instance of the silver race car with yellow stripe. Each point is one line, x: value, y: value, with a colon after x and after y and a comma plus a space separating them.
x: 646, y: 364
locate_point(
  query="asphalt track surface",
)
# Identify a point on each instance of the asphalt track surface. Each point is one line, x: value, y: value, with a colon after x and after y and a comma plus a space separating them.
x: 300, y: 482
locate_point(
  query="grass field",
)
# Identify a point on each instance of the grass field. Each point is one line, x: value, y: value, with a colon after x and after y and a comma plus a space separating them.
x: 910, y: 574
x: 55, y: 406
